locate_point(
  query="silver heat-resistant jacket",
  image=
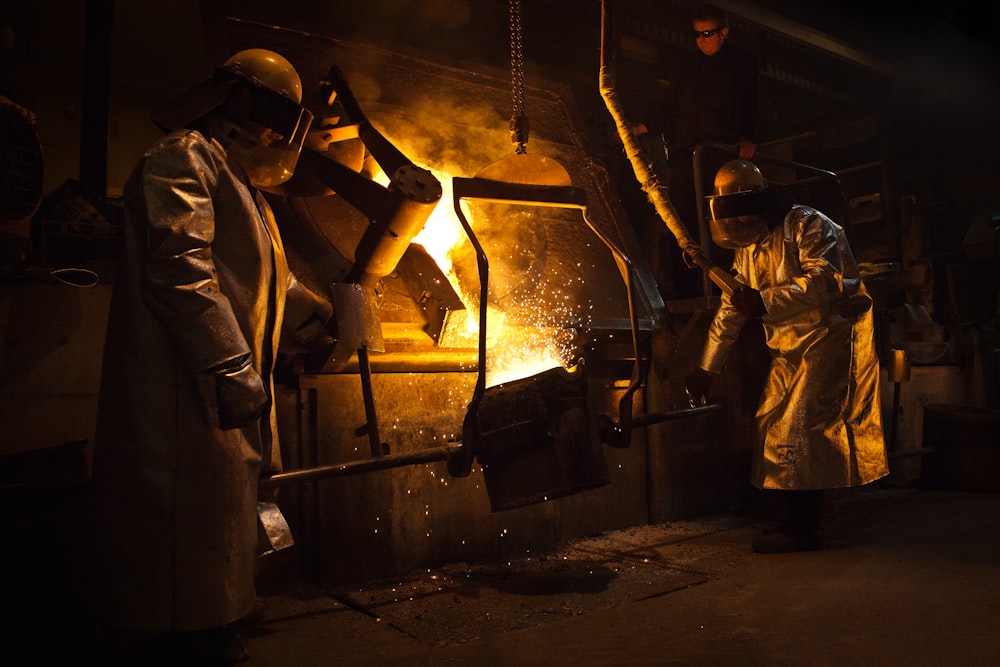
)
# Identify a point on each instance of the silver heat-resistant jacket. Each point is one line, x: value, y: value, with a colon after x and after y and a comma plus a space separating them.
x: 202, y: 279
x: 819, y: 418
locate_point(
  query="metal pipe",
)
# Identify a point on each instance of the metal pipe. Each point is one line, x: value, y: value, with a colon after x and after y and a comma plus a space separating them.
x: 320, y: 473
x: 434, y: 361
x: 699, y: 200
x: 378, y: 447
x: 413, y: 193
x: 643, y: 167
x: 396, y: 213
x: 659, y: 417
x: 773, y: 159
x: 641, y: 164
x: 461, y: 465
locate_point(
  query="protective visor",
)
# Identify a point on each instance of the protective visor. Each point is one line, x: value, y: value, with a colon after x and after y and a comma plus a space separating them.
x: 737, y: 204
x: 272, y: 160
x: 738, y: 219
x: 277, y: 112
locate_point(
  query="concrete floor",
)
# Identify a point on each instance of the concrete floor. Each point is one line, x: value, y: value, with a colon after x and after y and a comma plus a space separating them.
x: 910, y: 577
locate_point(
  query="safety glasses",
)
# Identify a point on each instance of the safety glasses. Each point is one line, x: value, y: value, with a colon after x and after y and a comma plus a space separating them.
x: 706, y: 34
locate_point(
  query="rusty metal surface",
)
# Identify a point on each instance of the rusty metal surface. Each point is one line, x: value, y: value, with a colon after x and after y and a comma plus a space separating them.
x: 416, y: 516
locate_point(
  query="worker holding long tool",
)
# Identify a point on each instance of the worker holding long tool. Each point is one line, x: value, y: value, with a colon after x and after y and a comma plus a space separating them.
x: 819, y: 417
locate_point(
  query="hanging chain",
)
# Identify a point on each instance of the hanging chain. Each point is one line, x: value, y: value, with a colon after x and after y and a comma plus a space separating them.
x: 519, y: 121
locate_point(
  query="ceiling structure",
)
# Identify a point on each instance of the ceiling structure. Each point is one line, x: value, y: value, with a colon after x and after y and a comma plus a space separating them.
x: 845, y: 79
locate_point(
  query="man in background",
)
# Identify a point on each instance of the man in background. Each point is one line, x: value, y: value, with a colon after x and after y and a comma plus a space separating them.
x: 712, y: 96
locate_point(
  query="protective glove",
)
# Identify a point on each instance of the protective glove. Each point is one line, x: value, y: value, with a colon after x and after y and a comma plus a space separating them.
x: 319, y: 347
x: 315, y: 323
x: 697, y: 384
x: 748, y: 302
x: 239, y: 394
x: 315, y: 336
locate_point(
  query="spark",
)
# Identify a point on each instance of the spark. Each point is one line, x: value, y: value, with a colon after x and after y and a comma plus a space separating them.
x: 512, y: 352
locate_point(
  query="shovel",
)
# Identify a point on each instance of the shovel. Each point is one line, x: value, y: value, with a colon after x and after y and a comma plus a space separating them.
x: 273, y: 533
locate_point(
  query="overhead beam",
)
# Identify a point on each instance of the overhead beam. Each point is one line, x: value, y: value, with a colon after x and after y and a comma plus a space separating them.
x: 804, y: 34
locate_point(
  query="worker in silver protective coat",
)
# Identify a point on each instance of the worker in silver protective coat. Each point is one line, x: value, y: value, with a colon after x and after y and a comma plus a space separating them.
x: 186, y: 419
x: 819, y: 418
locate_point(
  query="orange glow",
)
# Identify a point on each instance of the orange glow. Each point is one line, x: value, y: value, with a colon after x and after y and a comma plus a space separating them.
x: 513, y: 351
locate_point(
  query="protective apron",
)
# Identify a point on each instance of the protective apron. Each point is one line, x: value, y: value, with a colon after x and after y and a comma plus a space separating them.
x: 819, y: 419
x: 202, y: 279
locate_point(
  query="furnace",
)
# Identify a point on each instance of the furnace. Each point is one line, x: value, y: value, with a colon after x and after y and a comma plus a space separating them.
x: 569, y: 303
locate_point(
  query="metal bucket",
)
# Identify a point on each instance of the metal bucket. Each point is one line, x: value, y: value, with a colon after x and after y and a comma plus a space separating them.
x: 535, y: 441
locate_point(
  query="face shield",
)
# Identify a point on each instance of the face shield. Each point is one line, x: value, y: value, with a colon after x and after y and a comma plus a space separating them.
x: 739, y: 219
x: 738, y: 211
x: 269, y: 141
x: 274, y: 124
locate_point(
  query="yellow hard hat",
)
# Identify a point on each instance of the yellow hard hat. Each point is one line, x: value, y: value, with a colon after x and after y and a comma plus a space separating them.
x: 269, y: 69
x: 736, y: 211
x: 738, y: 176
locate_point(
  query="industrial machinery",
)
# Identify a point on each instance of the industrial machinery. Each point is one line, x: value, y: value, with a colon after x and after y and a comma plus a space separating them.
x: 503, y: 423
x: 534, y: 257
